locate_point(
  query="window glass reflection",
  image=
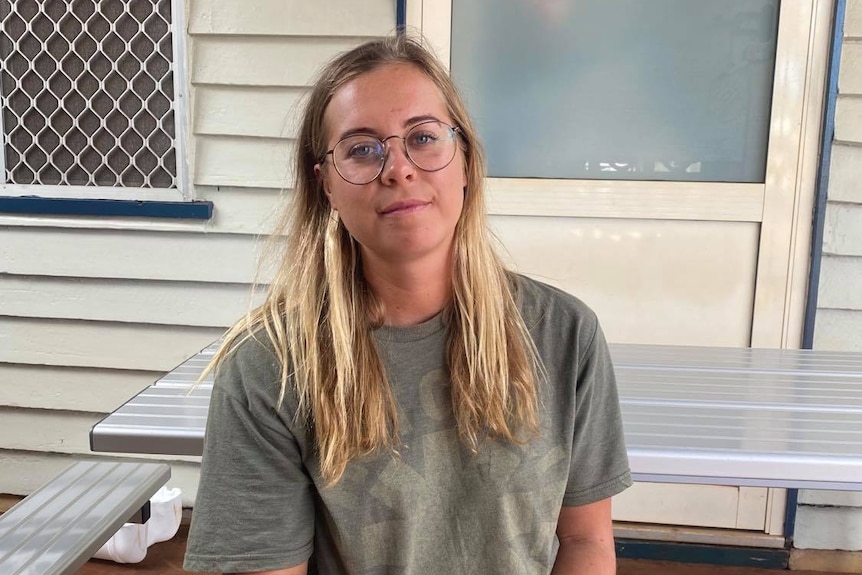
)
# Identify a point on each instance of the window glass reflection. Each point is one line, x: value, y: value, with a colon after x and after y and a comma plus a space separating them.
x: 619, y: 89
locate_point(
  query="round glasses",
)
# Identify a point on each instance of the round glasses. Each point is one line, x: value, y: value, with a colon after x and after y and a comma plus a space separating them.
x: 359, y: 159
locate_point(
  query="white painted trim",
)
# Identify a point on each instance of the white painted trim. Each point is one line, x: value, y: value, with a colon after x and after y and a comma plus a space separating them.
x: 105, y: 223
x: 751, y: 508
x: 2, y: 140
x: 437, y: 27
x: 413, y: 17
x: 782, y: 166
x: 625, y: 199
x: 92, y: 193
x: 807, y: 180
x: 181, y: 100
x: 701, y: 535
x: 800, y: 76
x: 776, y: 508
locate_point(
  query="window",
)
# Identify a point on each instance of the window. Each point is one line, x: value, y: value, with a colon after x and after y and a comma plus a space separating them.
x: 666, y: 90
x: 92, y: 103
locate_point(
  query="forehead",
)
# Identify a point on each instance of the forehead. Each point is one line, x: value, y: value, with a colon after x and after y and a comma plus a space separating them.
x: 384, y: 98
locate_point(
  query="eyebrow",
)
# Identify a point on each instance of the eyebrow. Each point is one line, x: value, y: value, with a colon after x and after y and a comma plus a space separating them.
x: 412, y: 121
x: 419, y: 119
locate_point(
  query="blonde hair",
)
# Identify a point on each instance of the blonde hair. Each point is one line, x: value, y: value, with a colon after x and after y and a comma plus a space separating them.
x: 319, y: 313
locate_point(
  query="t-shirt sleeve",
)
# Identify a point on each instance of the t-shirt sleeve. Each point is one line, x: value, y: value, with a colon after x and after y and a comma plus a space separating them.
x: 599, y: 466
x: 254, y: 509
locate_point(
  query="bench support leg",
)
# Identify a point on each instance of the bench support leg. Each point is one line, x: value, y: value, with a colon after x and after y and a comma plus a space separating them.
x: 142, y: 515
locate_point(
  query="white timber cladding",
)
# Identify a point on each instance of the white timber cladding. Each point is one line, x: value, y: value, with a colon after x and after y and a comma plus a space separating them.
x: 93, y: 309
x: 49, y: 387
x: 839, y: 306
x: 109, y: 345
x: 832, y: 520
x: 202, y: 304
x: 124, y: 254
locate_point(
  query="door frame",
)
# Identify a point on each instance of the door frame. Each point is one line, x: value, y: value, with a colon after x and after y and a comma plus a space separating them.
x: 782, y: 205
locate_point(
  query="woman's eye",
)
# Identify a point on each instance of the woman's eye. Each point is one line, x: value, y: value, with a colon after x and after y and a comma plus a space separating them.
x: 423, y: 139
x: 362, y: 150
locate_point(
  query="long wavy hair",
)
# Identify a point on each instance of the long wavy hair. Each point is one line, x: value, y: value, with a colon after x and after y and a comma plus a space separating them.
x: 319, y: 313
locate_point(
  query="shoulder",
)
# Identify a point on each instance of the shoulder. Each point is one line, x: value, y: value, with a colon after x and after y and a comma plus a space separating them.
x: 546, y: 307
x: 249, y: 367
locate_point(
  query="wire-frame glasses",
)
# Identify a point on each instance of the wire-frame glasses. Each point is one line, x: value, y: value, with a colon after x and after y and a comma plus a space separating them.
x: 359, y: 158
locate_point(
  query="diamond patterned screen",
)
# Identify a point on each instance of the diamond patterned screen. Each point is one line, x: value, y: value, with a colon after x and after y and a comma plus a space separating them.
x: 88, y: 92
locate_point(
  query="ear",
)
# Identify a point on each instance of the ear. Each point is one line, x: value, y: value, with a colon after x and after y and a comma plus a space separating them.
x: 321, y: 177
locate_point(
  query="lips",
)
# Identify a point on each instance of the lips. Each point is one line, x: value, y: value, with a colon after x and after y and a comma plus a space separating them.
x: 403, y: 207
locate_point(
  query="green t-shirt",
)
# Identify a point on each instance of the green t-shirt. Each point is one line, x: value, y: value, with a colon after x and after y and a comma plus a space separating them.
x: 435, y: 508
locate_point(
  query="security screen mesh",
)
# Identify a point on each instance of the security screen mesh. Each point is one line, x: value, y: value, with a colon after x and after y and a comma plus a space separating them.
x: 88, y: 93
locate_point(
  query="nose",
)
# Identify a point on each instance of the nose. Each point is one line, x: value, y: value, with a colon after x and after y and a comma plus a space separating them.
x: 396, y: 164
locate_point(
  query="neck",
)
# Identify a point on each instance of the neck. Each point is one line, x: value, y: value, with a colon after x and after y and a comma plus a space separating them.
x: 410, y: 292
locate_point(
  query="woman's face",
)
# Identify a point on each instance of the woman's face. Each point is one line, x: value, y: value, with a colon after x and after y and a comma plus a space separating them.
x: 405, y: 214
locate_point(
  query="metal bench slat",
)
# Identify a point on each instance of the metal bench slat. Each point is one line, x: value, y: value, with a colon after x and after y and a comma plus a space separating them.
x: 158, y: 440
x: 193, y: 406
x: 711, y: 429
x: 738, y: 359
x: 683, y: 387
x: 58, y: 528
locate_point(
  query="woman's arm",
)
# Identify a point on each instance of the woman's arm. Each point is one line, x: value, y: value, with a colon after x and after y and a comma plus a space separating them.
x: 586, y: 540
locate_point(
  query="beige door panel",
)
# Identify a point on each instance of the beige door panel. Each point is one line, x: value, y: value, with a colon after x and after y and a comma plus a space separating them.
x: 649, y: 281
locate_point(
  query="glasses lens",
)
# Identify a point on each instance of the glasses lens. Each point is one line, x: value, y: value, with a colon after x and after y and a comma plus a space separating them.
x: 358, y: 158
x: 431, y: 145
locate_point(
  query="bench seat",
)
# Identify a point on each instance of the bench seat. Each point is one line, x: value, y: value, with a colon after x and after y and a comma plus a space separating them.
x: 58, y: 527
x: 723, y: 416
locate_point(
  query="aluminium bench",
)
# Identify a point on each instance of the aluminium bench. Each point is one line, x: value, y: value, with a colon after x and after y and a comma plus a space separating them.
x: 742, y: 416
x: 702, y: 415
x: 58, y: 527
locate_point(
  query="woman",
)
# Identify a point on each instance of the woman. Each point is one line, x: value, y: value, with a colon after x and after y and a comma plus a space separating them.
x: 401, y: 403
